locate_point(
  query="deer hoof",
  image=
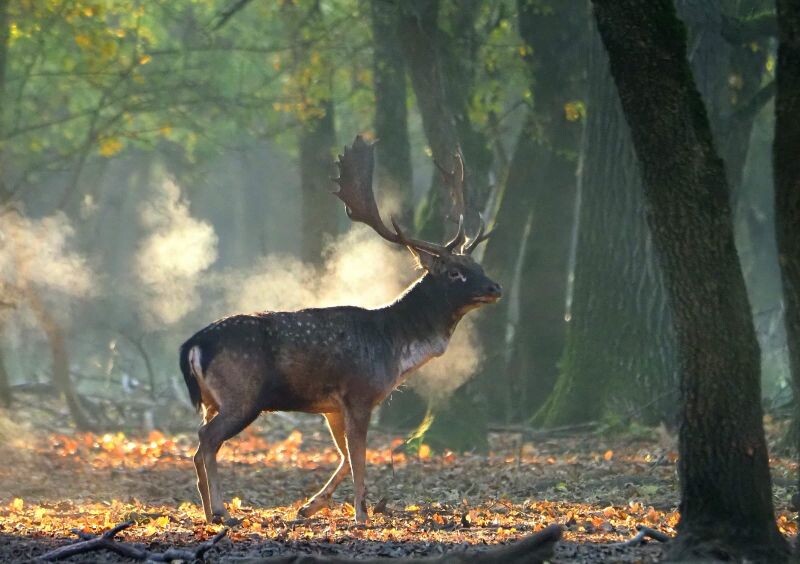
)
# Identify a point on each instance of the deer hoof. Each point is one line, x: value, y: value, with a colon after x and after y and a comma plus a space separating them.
x: 220, y: 518
x: 312, y: 507
x: 232, y: 522
x: 307, y: 511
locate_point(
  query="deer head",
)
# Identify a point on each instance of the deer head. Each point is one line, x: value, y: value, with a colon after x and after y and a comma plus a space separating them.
x: 459, y: 278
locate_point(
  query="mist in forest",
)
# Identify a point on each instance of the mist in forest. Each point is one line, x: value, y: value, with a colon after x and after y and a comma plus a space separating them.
x: 140, y: 227
x: 171, y: 259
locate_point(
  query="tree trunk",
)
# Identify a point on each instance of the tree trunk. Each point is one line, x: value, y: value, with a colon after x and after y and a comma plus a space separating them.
x: 620, y: 351
x: 393, y: 170
x: 6, y: 397
x: 5, y: 194
x: 726, y: 499
x: 60, y: 356
x: 442, y: 90
x: 442, y: 96
x: 318, y: 212
x: 727, y: 76
x: 786, y: 168
x: 524, y: 335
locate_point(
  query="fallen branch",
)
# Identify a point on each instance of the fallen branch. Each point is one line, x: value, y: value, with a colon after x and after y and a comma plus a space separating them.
x: 533, y: 549
x: 645, y: 533
x: 106, y: 541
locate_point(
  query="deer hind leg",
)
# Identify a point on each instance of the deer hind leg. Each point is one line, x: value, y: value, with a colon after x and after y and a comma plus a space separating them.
x: 212, y: 435
x: 322, y: 497
x: 200, y: 468
x: 356, y: 423
x: 202, y: 482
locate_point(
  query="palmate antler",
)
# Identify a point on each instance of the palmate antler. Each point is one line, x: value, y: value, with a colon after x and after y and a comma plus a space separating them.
x: 355, y: 190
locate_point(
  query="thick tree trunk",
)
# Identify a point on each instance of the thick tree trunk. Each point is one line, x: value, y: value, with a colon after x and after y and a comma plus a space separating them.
x: 393, y: 170
x: 442, y: 89
x: 620, y: 348
x: 726, y: 500
x: 318, y: 213
x: 786, y: 168
x: 442, y: 94
x: 524, y: 335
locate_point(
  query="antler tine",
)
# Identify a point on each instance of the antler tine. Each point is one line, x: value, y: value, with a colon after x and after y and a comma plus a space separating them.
x: 430, y: 248
x: 355, y: 190
x: 460, y: 237
x: 480, y: 237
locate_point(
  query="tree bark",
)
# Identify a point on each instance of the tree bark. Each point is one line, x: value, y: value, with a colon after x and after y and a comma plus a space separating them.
x: 442, y: 88
x: 786, y: 168
x: 318, y: 209
x: 442, y: 94
x: 726, y: 499
x: 524, y: 334
x: 619, y: 356
x: 393, y: 170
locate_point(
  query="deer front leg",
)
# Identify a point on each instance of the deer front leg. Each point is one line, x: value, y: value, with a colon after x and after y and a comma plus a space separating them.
x: 356, y: 423
x: 322, y: 498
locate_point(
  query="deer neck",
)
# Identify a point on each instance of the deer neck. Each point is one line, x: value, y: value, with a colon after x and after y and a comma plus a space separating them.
x: 420, y: 324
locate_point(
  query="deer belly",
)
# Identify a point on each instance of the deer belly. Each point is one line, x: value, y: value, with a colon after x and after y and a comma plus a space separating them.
x: 285, y: 393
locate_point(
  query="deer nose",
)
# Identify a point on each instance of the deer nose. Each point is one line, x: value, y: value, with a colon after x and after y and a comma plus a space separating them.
x: 495, y: 289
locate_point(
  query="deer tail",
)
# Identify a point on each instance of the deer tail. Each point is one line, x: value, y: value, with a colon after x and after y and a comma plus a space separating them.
x: 188, y: 368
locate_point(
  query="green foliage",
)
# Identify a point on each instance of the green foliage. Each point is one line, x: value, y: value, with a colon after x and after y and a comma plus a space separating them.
x: 94, y: 79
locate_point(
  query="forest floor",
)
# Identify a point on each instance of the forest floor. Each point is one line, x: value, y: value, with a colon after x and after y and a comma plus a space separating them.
x: 598, y: 487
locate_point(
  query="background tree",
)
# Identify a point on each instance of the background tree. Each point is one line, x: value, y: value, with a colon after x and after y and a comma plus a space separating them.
x: 530, y: 249
x: 726, y: 503
x: 619, y: 356
x: 393, y: 170
x: 786, y: 168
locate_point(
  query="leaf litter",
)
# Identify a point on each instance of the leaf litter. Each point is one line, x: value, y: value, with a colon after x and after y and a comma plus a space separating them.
x: 600, y: 488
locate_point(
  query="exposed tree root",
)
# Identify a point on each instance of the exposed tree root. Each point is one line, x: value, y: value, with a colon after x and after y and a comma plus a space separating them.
x: 106, y: 541
x: 707, y: 546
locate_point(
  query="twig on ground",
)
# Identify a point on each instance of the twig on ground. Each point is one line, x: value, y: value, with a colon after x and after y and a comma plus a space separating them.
x: 645, y: 533
x: 106, y: 541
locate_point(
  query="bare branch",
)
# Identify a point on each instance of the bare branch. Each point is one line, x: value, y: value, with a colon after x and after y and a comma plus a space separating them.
x: 106, y: 541
x: 224, y: 15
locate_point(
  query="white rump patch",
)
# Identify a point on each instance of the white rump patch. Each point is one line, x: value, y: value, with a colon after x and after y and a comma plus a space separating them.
x: 195, y: 361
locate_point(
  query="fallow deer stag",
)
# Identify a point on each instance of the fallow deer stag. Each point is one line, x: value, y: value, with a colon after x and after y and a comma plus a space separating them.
x: 338, y: 361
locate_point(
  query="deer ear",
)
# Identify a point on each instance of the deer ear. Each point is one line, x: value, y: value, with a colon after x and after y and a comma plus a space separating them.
x: 425, y: 260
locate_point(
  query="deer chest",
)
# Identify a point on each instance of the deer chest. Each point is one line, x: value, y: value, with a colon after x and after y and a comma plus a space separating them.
x: 417, y: 353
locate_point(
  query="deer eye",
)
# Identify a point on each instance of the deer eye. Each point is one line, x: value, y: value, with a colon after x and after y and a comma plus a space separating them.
x: 455, y: 274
